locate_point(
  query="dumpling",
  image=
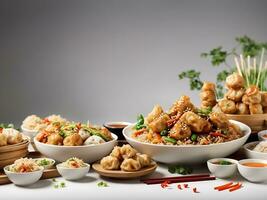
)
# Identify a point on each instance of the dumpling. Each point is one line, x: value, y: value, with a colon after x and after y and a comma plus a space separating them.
x: 195, y: 122
x: 130, y: 165
x: 55, y: 139
x: 227, y: 106
x: 13, y: 135
x: 235, y: 81
x: 94, y: 139
x: 84, y: 134
x: 264, y: 99
x: 253, y: 95
x: 235, y: 95
x: 143, y: 159
x: 110, y: 163
x: 160, y: 123
x: 3, y: 140
x: 219, y: 120
x: 155, y: 113
x: 127, y: 151
x: 116, y: 152
x: 180, y: 130
x: 255, y: 108
x: 73, y: 140
x: 242, y: 109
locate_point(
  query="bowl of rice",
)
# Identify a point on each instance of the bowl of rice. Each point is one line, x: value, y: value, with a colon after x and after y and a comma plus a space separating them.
x: 256, y: 150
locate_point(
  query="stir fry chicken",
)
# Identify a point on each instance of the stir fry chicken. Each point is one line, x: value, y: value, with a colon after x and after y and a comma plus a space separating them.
x: 180, y: 106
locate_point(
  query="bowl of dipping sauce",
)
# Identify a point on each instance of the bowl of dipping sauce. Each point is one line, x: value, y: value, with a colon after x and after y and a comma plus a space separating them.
x: 222, y: 167
x: 116, y: 128
x: 262, y: 135
x: 254, y: 170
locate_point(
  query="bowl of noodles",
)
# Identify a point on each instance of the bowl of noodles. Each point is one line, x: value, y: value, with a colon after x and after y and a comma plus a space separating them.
x: 186, y: 134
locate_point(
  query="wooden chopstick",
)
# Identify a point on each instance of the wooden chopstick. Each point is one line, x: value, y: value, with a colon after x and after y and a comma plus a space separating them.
x: 179, y: 179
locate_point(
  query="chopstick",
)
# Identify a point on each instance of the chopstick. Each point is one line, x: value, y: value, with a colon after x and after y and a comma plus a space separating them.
x: 179, y: 179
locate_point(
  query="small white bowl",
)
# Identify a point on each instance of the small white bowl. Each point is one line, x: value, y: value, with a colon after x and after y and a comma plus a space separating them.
x: 72, y: 173
x: 222, y: 171
x: 51, y: 161
x: 30, y: 133
x: 260, y: 135
x: 23, y: 179
x: 253, y: 174
x: 253, y: 154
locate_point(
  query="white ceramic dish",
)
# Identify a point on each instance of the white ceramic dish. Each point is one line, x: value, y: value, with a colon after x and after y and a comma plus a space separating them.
x: 260, y: 135
x: 88, y: 153
x: 30, y: 133
x: 171, y: 154
x: 222, y: 171
x: 73, y: 173
x: 23, y: 179
x: 51, y: 161
x: 253, y: 154
x: 253, y: 174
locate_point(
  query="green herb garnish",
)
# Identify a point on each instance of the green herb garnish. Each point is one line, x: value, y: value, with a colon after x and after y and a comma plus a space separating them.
x: 62, y: 184
x: 193, y: 137
x: 224, y: 162
x: 204, y: 111
x: 140, y: 122
x: 169, y: 140
x: 102, y: 184
x: 179, y: 169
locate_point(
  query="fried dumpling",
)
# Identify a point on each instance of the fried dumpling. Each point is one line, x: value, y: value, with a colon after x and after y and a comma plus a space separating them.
x: 235, y: 81
x: 110, y: 163
x: 227, y: 106
x: 155, y: 113
x: 143, y: 159
x: 255, y: 108
x: 73, y: 140
x: 219, y: 120
x: 13, y: 135
x: 235, y: 95
x: 116, y: 152
x: 127, y: 151
x: 195, y: 122
x: 55, y: 139
x: 130, y: 165
x: 3, y: 140
x: 180, y: 130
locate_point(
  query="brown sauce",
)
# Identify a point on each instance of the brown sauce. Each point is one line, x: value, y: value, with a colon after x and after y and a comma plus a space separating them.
x: 116, y: 125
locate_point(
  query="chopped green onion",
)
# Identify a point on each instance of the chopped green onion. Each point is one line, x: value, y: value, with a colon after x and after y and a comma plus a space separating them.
x: 193, y: 137
x: 102, y: 184
x: 169, y: 140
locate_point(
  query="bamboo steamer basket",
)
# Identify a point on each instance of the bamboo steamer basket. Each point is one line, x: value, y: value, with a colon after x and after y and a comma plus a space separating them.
x: 257, y: 122
x: 10, y: 153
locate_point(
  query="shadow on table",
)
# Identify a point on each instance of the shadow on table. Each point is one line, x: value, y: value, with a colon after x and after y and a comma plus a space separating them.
x: 86, y: 179
x: 38, y: 185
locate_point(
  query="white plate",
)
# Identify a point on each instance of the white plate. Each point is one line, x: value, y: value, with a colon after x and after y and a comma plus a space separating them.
x: 172, y: 154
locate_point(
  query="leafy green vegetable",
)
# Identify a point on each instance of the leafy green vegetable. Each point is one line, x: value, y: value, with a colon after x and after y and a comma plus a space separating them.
x: 97, y: 132
x: 102, y: 184
x: 194, y: 78
x: 193, y: 137
x: 62, y: 184
x: 217, y: 56
x: 224, y: 162
x: 140, y: 122
x: 169, y: 140
x: 179, y: 169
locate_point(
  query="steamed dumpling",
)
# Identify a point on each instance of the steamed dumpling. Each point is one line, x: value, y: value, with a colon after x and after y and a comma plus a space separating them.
x: 110, y: 163
x: 127, y: 151
x: 73, y: 140
x: 143, y: 159
x: 116, y: 152
x: 13, y: 135
x: 3, y: 140
x: 55, y: 139
x: 130, y: 165
x: 94, y: 139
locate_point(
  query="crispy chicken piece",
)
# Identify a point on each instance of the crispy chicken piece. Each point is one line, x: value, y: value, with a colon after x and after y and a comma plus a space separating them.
x: 180, y: 106
x: 253, y: 95
x: 235, y: 81
x: 208, y: 95
x: 180, y: 131
x: 160, y: 123
x: 155, y: 113
x: 55, y: 139
x: 227, y: 106
x: 255, y: 108
x: 73, y: 140
x: 219, y: 120
x: 242, y: 109
x: 195, y: 122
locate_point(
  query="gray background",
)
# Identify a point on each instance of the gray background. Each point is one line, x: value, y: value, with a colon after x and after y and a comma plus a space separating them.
x: 110, y: 60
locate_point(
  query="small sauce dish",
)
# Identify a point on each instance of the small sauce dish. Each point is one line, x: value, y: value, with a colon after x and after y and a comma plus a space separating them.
x: 116, y: 128
x: 262, y: 135
x: 222, y: 167
x: 47, y: 163
x: 254, y: 170
x: 250, y: 153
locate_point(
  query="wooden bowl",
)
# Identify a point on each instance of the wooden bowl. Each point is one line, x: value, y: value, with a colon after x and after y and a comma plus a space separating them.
x: 10, y: 153
x: 119, y: 174
x: 256, y: 122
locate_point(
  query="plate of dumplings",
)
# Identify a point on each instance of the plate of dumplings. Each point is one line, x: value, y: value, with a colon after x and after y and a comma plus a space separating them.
x: 125, y: 163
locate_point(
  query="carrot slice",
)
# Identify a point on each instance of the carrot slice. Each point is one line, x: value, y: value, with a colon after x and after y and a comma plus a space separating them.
x: 226, y: 188
x: 217, y: 134
x: 139, y: 132
x: 223, y: 186
x: 235, y: 187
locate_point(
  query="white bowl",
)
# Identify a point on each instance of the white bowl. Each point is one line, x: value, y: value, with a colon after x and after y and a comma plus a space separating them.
x: 72, y: 173
x: 23, y: 179
x: 253, y: 154
x: 260, y: 135
x: 30, y: 133
x: 187, y: 154
x: 52, y: 162
x: 222, y: 171
x: 88, y: 153
x: 253, y: 174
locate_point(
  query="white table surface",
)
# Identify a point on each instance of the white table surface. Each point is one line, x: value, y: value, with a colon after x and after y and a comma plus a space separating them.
x: 87, y: 188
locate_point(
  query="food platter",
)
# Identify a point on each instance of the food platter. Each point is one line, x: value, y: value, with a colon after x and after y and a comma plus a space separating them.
x: 119, y: 174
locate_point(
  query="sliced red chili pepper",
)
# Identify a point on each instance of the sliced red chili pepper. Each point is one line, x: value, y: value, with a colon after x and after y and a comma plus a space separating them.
x: 223, y: 186
x: 235, y: 187
x: 165, y: 184
x: 195, y: 190
x: 186, y: 186
x: 179, y: 187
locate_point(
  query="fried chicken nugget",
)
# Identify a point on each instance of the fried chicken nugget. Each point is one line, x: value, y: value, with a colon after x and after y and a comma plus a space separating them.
x: 180, y: 106
x: 180, y: 130
x: 219, y: 120
x: 194, y: 121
